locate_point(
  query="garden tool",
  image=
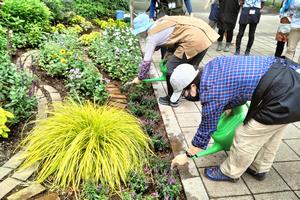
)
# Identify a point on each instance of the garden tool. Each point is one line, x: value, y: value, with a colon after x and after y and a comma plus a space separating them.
x: 223, y: 136
x: 164, y: 71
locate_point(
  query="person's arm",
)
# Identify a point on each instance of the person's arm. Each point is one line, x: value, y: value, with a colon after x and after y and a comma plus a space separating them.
x: 188, y: 6
x: 152, y: 9
x: 211, y: 113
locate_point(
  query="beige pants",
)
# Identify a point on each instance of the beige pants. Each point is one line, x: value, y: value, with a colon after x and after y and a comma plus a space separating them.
x: 294, y: 38
x: 254, y: 146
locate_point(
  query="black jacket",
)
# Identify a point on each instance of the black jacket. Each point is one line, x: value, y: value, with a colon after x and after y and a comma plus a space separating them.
x: 276, y: 99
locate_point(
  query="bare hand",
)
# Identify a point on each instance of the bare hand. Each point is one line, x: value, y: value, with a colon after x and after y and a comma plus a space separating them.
x: 181, y: 159
x: 136, y: 80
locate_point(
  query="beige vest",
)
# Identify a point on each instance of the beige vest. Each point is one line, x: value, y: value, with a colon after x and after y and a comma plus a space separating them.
x: 191, y: 35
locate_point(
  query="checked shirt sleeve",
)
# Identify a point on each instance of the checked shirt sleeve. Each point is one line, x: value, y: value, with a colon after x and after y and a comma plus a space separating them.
x: 211, y: 113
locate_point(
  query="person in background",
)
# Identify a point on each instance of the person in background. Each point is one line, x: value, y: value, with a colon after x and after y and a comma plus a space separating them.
x: 213, y: 17
x: 178, y: 10
x: 292, y: 7
x: 250, y: 14
x: 229, y: 10
x: 272, y: 85
x: 282, y: 35
x: 189, y: 37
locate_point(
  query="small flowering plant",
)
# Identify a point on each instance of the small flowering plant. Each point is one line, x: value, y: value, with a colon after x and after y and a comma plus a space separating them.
x: 110, y: 23
x: 118, y: 52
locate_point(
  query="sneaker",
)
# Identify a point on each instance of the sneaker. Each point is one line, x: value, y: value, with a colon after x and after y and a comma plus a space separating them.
x: 226, y: 47
x: 215, y: 174
x: 164, y: 100
x: 258, y: 176
x: 247, y: 53
x: 219, y: 47
x: 174, y: 105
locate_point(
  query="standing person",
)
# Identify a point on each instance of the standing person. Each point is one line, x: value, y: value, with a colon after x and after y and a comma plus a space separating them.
x: 168, y: 8
x: 282, y: 35
x: 272, y: 85
x: 188, y: 36
x: 229, y: 10
x: 213, y: 17
x: 250, y: 14
x: 294, y: 36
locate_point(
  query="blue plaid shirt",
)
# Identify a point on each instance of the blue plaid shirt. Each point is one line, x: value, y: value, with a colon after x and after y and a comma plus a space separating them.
x: 227, y: 82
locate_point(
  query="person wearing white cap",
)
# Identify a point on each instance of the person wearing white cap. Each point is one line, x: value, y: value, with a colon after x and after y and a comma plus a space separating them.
x: 188, y: 36
x: 272, y: 85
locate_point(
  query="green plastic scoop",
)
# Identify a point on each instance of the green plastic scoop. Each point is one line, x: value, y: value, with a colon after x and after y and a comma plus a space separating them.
x: 223, y: 136
x: 164, y: 71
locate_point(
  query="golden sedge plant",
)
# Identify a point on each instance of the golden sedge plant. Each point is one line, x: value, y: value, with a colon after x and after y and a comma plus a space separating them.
x: 4, y: 116
x: 79, y: 143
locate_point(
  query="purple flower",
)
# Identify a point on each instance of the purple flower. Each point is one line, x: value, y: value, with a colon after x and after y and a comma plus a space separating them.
x: 172, y: 181
x: 154, y: 194
x: 99, y: 188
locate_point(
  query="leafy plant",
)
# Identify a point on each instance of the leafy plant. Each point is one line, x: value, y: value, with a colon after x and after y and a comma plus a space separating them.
x: 3, y: 40
x: 137, y: 182
x: 87, y: 39
x: 82, y: 22
x: 91, y: 192
x: 152, y: 115
x: 87, y: 142
x: 4, y: 116
x: 15, y: 90
x: 28, y: 19
x: 86, y: 82
x: 110, y: 23
x: 118, y: 53
x: 159, y: 143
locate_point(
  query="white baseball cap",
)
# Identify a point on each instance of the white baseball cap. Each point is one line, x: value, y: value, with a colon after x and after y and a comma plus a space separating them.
x: 181, y: 77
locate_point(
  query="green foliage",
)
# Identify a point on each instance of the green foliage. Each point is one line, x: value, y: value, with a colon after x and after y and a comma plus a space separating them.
x: 110, y: 23
x: 3, y: 40
x: 87, y: 142
x: 15, y: 91
x: 91, y: 192
x: 86, y: 82
x: 137, y: 182
x: 4, y: 116
x: 117, y: 51
x: 57, y: 9
x: 92, y: 9
x: 87, y: 39
x: 82, y: 22
x: 28, y: 19
x: 62, y: 56
x: 159, y: 143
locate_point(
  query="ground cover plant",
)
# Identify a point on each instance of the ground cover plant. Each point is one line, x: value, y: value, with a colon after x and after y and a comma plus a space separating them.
x: 4, y: 117
x: 86, y: 142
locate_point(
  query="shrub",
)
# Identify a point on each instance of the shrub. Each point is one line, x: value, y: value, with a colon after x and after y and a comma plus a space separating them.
x: 4, y: 116
x: 86, y: 143
x: 82, y: 22
x: 28, y: 19
x: 110, y: 23
x: 87, y: 39
x: 92, y: 9
x: 3, y: 40
x: 57, y: 9
x: 117, y: 51
x: 15, y: 91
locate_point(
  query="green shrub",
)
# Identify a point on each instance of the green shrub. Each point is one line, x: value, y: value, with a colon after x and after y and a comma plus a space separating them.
x: 3, y: 40
x: 118, y: 53
x: 57, y: 9
x: 92, y: 9
x: 4, y: 116
x: 91, y: 192
x: 28, y: 19
x: 87, y: 143
x: 15, y: 91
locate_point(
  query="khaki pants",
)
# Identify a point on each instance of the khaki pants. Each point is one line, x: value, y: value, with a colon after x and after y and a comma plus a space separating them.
x: 254, y: 146
x: 294, y: 38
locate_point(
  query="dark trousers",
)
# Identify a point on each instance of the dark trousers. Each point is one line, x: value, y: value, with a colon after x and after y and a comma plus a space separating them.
x: 229, y: 35
x: 279, y: 48
x: 173, y: 62
x: 252, y: 28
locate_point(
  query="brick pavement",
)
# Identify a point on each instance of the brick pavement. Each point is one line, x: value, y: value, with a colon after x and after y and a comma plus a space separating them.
x: 283, y: 181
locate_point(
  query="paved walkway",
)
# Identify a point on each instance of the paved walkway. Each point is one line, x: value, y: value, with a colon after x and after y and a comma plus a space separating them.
x: 283, y: 181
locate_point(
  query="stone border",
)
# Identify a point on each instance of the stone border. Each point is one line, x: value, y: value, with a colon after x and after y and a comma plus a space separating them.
x: 190, y: 177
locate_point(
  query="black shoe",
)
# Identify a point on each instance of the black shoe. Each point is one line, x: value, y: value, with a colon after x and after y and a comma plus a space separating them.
x: 164, y: 100
x: 237, y: 52
x: 174, y: 105
x: 247, y: 53
x: 257, y: 176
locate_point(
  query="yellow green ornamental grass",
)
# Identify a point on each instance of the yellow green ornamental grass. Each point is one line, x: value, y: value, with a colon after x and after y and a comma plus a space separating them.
x: 86, y: 142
